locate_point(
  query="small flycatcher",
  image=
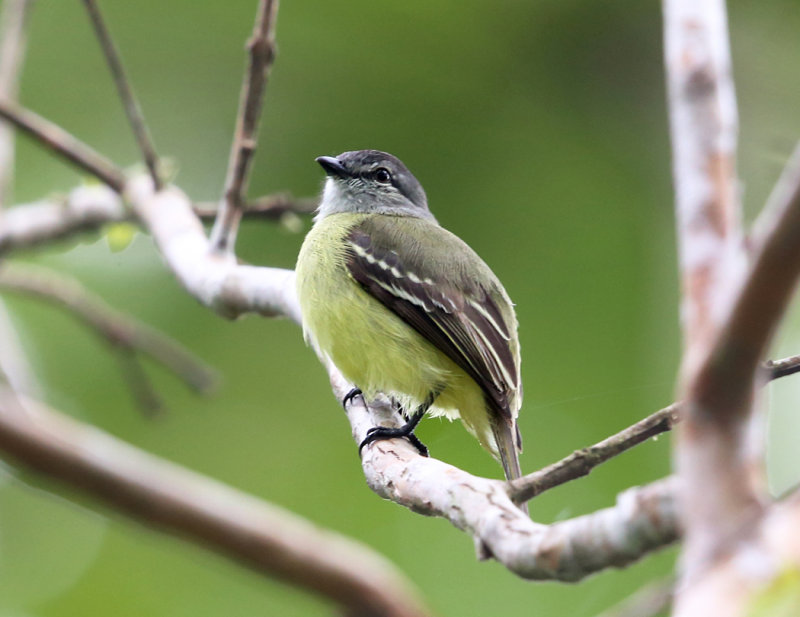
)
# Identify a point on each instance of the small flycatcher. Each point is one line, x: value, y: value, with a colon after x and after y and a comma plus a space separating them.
x: 403, y: 307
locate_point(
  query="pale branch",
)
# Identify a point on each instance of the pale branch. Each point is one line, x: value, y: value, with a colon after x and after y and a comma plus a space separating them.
x: 643, y: 520
x: 117, y: 329
x: 261, y: 48
x: 721, y: 480
x: 13, y: 26
x: 212, y: 277
x: 89, y: 208
x: 64, y: 144
x: 703, y: 126
x: 131, y: 105
x: 175, y: 500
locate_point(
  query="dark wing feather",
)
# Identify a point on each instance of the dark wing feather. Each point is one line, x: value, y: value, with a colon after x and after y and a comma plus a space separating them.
x: 465, y: 324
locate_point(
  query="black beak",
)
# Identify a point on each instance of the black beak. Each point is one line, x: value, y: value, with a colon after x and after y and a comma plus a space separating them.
x: 332, y: 166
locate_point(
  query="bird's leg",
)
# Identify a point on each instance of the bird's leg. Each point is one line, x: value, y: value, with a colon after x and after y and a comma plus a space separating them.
x: 350, y: 396
x: 377, y: 433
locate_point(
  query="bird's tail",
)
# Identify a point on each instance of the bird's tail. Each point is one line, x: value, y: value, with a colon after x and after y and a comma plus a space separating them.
x: 509, y: 445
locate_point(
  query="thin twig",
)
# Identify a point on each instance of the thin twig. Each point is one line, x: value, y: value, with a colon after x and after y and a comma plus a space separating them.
x: 261, y: 47
x: 88, y: 208
x: 269, y: 207
x: 57, y: 139
x: 582, y: 462
x: 184, y: 503
x: 781, y: 368
x: 13, y: 25
x: 140, y: 385
x: 132, y: 108
x: 117, y: 329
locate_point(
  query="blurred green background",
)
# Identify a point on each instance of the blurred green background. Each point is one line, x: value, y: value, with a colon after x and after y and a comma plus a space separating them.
x: 540, y: 133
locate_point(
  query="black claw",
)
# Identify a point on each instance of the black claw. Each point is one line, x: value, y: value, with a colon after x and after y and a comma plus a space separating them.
x: 350, y: 396
x: 421, y: 447
x: 379, y: 433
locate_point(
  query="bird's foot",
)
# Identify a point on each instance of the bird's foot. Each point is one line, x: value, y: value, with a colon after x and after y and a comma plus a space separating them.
x: 378, y: 433
x: 350, y: 396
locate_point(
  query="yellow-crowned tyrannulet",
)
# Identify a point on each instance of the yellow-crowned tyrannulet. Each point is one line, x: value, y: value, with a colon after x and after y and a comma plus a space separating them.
x: 405, y: 308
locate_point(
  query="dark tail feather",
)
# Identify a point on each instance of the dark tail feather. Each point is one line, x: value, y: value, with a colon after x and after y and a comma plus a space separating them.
x: 507, y: 438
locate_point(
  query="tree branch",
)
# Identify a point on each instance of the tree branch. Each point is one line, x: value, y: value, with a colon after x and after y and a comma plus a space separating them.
x: 64, y: 144
x: 178, y: 501
x: 581, y: 462
x: 89, y: 208
x: 719, y: 480
x: 129, y: 102
x: 269, y: 207
x: 643, y: 520
x: 120, y: 331
x: 261, y: 47
x: 13, y: 25
x: 213, y: 278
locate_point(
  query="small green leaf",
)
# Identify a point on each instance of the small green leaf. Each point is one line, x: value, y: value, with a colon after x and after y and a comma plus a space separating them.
x: 120, y: 235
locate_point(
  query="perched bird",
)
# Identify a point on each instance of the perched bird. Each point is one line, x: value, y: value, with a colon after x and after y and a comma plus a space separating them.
x: 405, y: 308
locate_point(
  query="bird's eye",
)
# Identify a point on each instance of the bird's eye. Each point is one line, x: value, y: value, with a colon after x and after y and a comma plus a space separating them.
x: 382, y: 175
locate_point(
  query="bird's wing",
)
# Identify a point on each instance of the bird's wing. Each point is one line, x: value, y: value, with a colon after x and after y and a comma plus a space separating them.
x: 458, y: 316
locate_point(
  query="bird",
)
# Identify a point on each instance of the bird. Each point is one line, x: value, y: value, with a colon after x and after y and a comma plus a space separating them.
x: 403, y: 307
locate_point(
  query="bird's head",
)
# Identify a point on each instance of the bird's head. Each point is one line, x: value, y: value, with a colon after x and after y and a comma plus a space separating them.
x: 371, y: 181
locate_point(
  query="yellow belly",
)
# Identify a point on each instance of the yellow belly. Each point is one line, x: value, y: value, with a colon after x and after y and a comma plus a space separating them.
x: 372, y: 347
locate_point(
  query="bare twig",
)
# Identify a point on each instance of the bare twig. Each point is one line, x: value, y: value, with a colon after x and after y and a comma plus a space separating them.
x: 58, y: 140
x: 117, y: 329
x: 269, y: 207
x: 783, y: 367
x: 581, y: 462
x: 13, y: 22
x: 132, y: 109
x: 89, y: 208
x: 262, y: 53
x: 181, y: 502
x: 142, y: 389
